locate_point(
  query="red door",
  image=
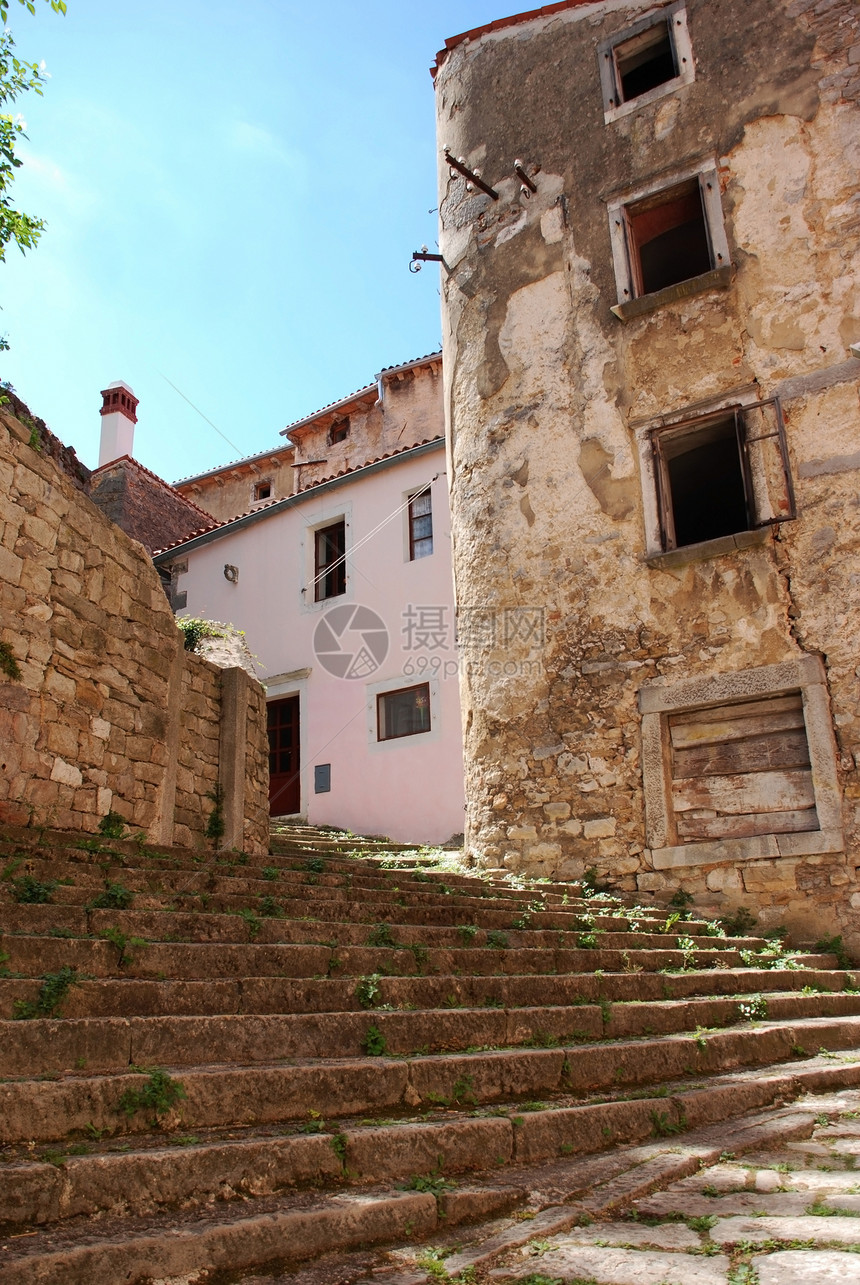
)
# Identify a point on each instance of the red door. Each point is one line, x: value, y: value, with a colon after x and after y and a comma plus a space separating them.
x: 283, y: 722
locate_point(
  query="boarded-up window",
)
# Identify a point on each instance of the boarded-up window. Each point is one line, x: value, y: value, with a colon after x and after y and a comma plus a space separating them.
x: 742, y: 769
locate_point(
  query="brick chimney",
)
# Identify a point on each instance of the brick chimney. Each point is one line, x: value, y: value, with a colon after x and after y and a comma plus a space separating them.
x: 118, y: 412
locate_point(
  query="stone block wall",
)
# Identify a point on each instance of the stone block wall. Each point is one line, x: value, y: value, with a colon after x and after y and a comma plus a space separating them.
x: 101, y: 709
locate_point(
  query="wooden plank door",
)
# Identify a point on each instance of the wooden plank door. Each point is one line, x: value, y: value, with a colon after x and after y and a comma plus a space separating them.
x: 284, y: 765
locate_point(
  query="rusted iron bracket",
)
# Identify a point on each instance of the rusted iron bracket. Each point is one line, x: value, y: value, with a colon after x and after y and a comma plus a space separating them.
x: 528, y: 184
x: 470, y: 175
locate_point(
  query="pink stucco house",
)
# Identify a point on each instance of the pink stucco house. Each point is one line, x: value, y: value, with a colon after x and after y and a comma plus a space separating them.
x: 343, y: 586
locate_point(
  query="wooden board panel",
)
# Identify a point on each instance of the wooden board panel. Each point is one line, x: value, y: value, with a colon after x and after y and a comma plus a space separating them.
x: 752, y: 754
x: 692, y: 827
x: 740, y: 709
x: 749, y: 793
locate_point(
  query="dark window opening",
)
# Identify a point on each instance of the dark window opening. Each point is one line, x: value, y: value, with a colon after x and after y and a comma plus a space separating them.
x: 668, y: 236
x: 403, y: 713
x: 703, y: 489
x: 339, y: 432
x: 330, y: 561
x: 263, y: 491
x: 420, y: 525
x: 645, y: 61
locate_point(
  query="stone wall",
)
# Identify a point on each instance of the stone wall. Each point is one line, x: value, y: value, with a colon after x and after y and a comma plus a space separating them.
x: 556, y: 387
x: 101, y: 709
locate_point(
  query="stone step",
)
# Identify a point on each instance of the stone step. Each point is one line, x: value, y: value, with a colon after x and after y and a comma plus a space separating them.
x: 113, y: 1043
x: 278, y: 1231
x: 48, y: 1109
x: 245, y: 993
x: 201, y: 959
x: 342, y: 903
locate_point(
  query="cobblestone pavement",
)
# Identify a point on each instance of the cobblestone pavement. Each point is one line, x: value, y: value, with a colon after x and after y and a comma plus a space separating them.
x: 779, y: 1206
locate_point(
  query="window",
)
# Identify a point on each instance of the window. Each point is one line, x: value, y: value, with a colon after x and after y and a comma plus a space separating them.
x: 647, y: 60
x: 668, y: 238
x: 665, y: 235
x: 263, y: 490
x: 338, y: 432
x: 420, y: 525
x: 720, y: 474
x: 403, y: 713
x: 330, y: 561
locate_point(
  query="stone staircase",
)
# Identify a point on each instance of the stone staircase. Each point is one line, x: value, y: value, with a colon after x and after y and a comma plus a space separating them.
x: 213, y: 1064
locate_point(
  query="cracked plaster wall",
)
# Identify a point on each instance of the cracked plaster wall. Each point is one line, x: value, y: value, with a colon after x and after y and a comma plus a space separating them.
x: 545, y: 388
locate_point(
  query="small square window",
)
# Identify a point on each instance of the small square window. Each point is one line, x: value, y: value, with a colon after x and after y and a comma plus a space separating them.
x: 330, y: 561
x: 338, y: 432
x: 420, y: 525
x: 403, y: 713
x: 647, y: 60
x: 263, y: 490
x: 721, y: 474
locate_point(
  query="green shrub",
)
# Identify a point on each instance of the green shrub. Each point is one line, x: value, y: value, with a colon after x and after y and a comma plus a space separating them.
x: 194, y: 630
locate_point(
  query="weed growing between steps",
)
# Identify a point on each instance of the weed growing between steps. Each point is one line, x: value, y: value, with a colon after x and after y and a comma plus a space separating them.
x: 125, y: 945
x: 374, y: 1042
x: 112, y: 826
x: 52, y: 993
x: 28, y: 891
x: 115, y: 897
x: 367, y: 990
x: 160, y: 1094
x: 834, y: 946
x: 252, y: 923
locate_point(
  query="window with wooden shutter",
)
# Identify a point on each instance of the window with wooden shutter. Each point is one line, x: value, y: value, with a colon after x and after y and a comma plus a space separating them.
x: 723, y: 473
x: 740, y: 766
x: 742, y: 769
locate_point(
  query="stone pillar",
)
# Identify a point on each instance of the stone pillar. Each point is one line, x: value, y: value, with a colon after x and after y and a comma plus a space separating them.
x: 235, y: 694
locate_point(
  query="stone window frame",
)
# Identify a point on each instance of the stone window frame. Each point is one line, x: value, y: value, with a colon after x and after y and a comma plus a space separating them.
x: 631, y: 305
x: 676, y: 15
x: 657, y: 701
x: 737, y: 399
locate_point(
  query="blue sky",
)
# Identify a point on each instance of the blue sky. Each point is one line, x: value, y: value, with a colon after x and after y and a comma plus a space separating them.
x: 232, y: 192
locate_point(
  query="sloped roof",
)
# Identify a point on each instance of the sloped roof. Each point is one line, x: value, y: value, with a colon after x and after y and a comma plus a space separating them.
x: 307, y: 421
x: 243, y: 460
x: 288, y: 501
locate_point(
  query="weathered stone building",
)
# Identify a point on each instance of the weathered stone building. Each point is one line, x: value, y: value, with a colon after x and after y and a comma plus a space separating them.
x: 654, y: 444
